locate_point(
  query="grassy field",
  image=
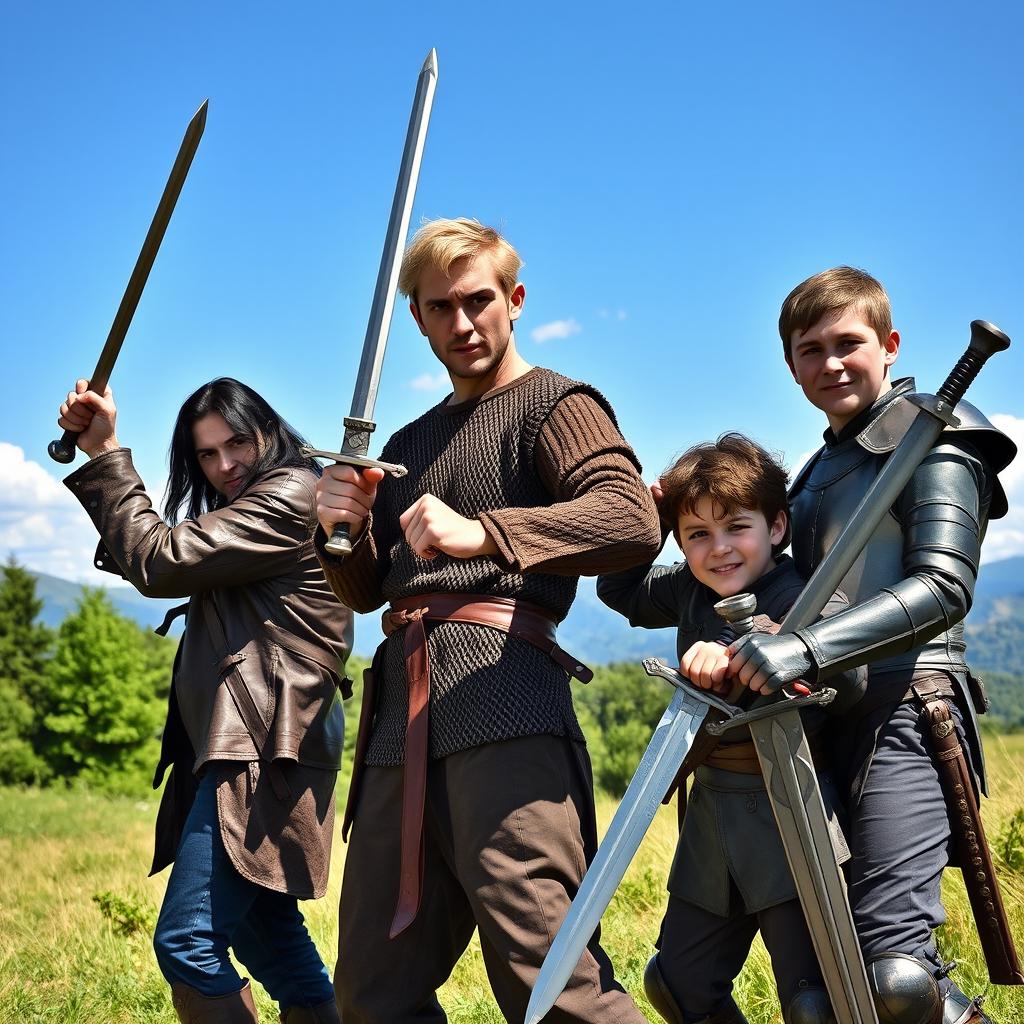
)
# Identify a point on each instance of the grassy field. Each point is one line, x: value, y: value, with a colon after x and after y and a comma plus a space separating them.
x: 67, y: 959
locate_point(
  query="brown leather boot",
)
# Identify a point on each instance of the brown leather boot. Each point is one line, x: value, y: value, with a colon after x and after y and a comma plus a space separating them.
x: 193, y: 1007
x: 325, y: 1013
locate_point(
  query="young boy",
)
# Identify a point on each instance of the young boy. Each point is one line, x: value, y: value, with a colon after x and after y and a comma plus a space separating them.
x: 727, y: 505
x: 909, y: 591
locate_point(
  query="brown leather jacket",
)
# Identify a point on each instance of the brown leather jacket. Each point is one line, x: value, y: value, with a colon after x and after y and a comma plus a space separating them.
x: 252, y: 564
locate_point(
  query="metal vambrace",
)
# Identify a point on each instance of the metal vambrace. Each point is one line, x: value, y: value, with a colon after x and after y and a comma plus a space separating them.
x: 941, y: 511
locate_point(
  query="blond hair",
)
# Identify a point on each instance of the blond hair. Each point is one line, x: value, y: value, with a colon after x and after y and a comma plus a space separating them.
x: 439, y: 243
x: 828, y: 294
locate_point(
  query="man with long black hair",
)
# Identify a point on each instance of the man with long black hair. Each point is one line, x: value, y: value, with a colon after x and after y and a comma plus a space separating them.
x: 255, y: 724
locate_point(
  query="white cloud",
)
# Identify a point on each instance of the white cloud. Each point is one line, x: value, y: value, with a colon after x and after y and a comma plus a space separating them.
x: 41, y: 524
x: 555, y: 329
x: 430, y: 381
x: 616, y: 314
x: 1005, y: 537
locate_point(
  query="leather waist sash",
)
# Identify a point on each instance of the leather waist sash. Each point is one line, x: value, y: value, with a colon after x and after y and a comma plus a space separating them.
x: 521, y: 619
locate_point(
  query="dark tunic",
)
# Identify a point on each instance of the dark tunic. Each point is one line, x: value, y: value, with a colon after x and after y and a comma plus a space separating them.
x: 729, y: 831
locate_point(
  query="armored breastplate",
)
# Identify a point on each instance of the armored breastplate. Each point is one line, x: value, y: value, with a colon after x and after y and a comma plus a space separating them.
x: 824, y: 504
x: 828, y: 490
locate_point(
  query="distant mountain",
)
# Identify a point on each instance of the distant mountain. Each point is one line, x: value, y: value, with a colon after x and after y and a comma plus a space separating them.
x: 996, y: 580
x: 60, y: 597
x: 597, y: 635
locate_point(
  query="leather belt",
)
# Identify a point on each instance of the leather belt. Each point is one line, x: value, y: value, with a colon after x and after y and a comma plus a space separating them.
x: 742, y: 758
x: 521, y: 619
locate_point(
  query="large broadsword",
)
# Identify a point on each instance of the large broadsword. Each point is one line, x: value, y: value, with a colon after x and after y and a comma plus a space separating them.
x: 359, y: 423
x: 63, y: 449
x: 782, y: 747
x: 674, y: 736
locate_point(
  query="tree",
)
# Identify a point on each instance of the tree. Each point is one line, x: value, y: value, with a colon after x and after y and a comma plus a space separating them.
x: 102, y: 702
x: 25, y: 646
x: 626, y: 704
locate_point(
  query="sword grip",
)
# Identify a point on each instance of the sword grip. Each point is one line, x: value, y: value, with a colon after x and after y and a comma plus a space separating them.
x: 63, y: 449
x: 340, y: 543
x: 986, y: 340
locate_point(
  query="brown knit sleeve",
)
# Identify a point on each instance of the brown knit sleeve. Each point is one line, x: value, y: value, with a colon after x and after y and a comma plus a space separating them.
x: 603, y: 518
x: 355, y: 580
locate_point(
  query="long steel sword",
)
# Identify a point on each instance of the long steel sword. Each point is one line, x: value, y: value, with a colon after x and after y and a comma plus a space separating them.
x: 359, y: 423
x: 782, y: 747
x: 63, y: 449
x: 673, y: 737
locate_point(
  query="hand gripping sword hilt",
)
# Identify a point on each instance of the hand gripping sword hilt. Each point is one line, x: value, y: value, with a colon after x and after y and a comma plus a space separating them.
x: 986, y: 340
x: 353, y: 453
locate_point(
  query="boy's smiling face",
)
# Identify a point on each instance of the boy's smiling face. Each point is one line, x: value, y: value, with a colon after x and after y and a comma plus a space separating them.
x: 728, y: 553
x: 841, y: 364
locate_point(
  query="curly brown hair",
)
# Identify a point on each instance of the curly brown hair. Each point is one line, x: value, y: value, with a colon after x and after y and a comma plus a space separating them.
x: 734, y: 472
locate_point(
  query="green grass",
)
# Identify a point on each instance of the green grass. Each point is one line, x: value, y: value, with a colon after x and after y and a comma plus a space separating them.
x: 63, y: 962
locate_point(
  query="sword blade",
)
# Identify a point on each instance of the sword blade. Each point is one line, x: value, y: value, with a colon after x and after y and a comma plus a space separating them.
x: 672, y: 739
x: 150, y: 247
x: 63, y: 450
x: 383, y: 306
x: 792, y: 786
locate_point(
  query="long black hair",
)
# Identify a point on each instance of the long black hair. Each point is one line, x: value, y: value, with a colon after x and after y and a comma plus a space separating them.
x: 251, y: 418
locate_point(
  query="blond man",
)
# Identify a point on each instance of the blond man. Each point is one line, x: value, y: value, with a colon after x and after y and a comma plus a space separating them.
x: 472, y: 803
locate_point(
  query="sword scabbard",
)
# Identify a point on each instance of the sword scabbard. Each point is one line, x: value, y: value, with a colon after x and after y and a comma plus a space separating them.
x: 973, y: 854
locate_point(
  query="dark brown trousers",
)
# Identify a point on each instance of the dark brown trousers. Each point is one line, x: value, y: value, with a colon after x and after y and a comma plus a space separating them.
x: 508, y: 830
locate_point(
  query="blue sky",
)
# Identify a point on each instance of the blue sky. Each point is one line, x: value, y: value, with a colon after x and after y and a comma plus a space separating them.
x: 667, y: 171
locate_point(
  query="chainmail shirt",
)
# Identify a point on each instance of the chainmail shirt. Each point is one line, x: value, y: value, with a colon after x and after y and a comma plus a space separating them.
x: 540, y: 462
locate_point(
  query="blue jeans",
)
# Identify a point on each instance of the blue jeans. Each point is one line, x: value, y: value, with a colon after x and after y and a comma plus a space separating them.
x: 209, y: 906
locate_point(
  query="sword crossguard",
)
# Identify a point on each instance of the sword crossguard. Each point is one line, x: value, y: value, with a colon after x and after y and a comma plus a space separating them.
x: 656, y: 667
x: 394, y: 468
x: 820, y: 698
x: 339, y: 543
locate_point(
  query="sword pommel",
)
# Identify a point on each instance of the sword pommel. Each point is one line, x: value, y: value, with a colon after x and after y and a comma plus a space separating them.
x: 63, y: 449
x: 986, y: 340
x: 738, y: 611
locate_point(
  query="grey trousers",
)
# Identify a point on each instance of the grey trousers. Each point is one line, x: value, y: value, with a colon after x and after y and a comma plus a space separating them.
x: 900, y: 842
x: 508, y: 830
x: 701, y: 954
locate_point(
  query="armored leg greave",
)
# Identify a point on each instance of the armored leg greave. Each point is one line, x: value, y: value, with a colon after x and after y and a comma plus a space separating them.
x: 810, y: 1005
x: 907, y: 992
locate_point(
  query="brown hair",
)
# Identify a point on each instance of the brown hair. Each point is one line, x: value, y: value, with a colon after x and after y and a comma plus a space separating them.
x: 439, y: 243
x: 734, y: 472
x: 829, y: 293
